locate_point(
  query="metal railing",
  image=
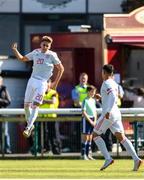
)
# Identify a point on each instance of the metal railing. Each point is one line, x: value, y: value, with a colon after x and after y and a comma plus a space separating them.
x: 134, y: 115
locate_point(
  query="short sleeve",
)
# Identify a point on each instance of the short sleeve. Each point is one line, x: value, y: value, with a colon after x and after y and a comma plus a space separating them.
x: 84, y: 105
x: 55, y: 59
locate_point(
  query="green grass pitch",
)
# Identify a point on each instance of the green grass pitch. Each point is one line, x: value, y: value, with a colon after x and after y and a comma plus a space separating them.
x: 68, y: 169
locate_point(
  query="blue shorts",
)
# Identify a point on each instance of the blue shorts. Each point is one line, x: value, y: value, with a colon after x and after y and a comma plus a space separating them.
x: 86, y: 127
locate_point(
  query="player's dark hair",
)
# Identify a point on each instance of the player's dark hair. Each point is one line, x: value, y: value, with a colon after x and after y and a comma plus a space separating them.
x: 91, y: 87
x: 108, y: 68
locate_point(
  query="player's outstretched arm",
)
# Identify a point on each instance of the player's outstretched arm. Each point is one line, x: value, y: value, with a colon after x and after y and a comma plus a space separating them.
x: 17, y: 53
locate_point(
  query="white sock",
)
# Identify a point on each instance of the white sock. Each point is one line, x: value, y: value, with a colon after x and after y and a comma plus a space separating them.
x: 102, y: 147
x: 27, y: 112
x: 33, y: 116
x: 129, y: 148
x: 90, y: 149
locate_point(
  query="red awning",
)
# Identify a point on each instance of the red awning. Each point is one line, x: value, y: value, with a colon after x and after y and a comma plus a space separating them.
x: 128, y: 39
x: 131, y: 40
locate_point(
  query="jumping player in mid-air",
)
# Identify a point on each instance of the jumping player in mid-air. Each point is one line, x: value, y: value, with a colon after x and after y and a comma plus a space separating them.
x: 111, y: 118
x: 44, y: 61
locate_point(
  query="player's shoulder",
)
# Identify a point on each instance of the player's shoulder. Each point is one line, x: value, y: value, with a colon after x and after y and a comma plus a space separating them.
x: 53, y: 53
x: 106, y: 83
x: 35, y: 51
x: 85, y: 99
x: 109, y: 82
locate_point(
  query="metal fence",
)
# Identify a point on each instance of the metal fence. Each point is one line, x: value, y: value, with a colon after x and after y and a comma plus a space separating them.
x: 69, y: 122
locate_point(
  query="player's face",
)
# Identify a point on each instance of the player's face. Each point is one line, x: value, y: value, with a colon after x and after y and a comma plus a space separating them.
x: 45, y: 46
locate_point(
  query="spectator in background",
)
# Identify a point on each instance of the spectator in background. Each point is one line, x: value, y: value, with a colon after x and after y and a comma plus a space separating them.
x: 52, y: 135
x: 5, y: 100
x: 89, y: 117
x: 120, y: 95
x: 79, y: 93
x: 137, y: 96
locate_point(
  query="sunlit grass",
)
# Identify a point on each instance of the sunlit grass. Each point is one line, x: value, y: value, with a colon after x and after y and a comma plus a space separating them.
x: 79, y: 169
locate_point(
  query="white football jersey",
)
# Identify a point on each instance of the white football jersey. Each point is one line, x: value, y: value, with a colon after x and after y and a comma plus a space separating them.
x: 43, y: 63
x: 109, y: 94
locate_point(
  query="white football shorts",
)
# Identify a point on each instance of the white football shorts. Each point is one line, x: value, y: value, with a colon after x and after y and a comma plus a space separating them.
x: 114, y: 123
x: 35, y: 90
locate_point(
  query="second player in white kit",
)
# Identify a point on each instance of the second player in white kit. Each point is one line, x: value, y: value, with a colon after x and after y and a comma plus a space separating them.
x: 44, y: 61
x: 111, y: 118
x: 109, y: 95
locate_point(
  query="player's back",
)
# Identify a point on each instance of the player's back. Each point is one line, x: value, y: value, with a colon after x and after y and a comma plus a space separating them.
x: 109, y: 86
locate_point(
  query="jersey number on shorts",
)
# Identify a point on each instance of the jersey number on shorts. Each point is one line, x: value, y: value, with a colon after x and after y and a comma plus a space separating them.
x: 39, y: 97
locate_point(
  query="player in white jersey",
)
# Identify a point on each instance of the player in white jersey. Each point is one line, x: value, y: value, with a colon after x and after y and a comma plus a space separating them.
x: 111, y: 118
x: 44, y: 61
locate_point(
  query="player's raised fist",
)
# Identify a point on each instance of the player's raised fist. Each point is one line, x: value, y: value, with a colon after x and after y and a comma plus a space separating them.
x: 14, y: 46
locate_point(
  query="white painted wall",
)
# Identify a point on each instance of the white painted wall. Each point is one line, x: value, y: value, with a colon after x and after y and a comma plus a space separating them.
x: 15, y: 85
x: 105, y: 6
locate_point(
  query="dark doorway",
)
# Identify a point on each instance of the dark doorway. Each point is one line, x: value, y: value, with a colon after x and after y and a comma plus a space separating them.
x: 83, y: 59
